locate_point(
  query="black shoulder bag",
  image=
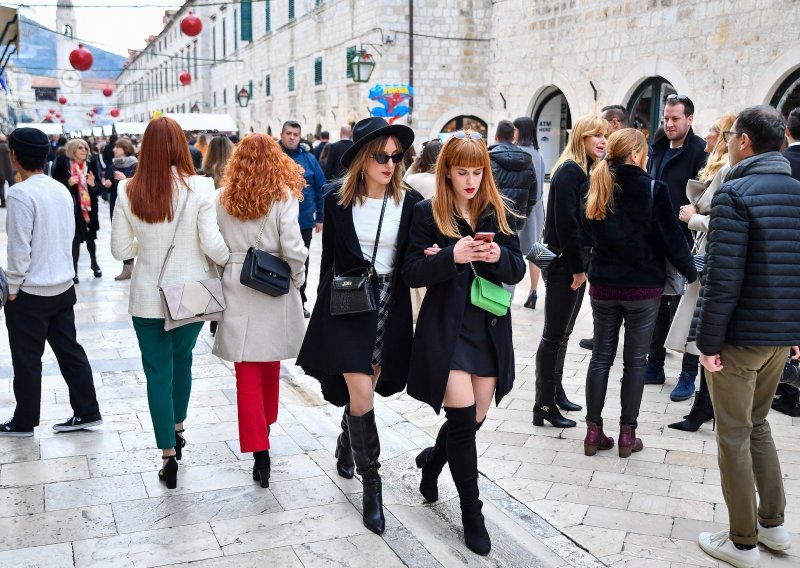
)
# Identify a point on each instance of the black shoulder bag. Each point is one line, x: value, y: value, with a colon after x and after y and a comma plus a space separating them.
x: 353, y: 294
x: 263, y: 271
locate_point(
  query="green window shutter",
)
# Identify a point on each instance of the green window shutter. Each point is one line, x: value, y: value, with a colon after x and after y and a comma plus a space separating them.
x: 291, y: 79
x: 235, y: 31
x: 318, y: 71
x: 291, y: 9
x: 268, y: 86
x: 247, y: 20
x: 351, y: 51
x: 268, y: 14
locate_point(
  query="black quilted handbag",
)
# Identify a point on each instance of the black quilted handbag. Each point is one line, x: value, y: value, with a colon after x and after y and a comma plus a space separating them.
x: 265, y: 272
x: 353, y: 294
x: 541, y: 256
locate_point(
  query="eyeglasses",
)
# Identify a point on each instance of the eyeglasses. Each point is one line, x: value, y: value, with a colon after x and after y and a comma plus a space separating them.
x: 383, y: 159
x: 679, y: 98
x: 461, y: 135
x: 728, y: 134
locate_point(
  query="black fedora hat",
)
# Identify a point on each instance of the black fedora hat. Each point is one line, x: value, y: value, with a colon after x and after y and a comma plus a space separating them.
x: 372, y: 128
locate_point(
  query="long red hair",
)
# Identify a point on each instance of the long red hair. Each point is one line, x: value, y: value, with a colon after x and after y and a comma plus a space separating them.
x: 258, y: 173
x: 150, y: 189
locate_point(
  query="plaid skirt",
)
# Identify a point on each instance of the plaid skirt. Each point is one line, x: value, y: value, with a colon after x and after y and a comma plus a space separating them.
x: 384, y: 295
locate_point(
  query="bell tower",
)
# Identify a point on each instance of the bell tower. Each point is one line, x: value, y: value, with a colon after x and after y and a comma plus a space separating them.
x: 69, y: 80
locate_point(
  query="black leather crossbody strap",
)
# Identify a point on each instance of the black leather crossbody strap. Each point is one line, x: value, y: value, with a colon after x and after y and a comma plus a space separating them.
x: 378, y: 235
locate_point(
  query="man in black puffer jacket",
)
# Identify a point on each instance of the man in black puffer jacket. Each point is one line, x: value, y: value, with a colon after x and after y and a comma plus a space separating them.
x: 514, y: 174
x: 750, y: 317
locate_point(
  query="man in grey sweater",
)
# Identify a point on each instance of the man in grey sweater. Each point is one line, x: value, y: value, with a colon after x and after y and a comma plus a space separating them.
x: 41, y: 224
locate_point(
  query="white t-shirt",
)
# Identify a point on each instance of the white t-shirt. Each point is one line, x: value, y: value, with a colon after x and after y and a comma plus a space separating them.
x: 365, y: 220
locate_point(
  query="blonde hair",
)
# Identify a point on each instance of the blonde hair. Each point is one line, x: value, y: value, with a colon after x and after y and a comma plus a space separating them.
x: 466, y: 153
x: 73, y: 145
x: 353, y: 188
x: 602, y: 182
x: 575, y: 151
x: 718, y: 157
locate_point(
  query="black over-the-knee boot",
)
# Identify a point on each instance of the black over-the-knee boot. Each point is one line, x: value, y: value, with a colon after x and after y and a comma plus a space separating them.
x: 463, y: 458
x: 344, y: 454
x: 366, y: 450
x: 431, y: 461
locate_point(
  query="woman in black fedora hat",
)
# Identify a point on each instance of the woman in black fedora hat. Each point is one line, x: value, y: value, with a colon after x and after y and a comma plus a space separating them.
x: 351, y: 349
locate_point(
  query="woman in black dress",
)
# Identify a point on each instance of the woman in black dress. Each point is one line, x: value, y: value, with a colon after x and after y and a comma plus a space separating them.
x: 566, y: 279
x: 357, y: 354
x: 462, y: 355
x: 79, y: 172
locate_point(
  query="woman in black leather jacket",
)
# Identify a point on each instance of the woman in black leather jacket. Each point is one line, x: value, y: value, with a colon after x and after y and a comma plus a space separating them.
x: 565, y: 281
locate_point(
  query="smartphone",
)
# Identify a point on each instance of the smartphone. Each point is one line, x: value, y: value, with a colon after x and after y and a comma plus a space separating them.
x: 485, y: 237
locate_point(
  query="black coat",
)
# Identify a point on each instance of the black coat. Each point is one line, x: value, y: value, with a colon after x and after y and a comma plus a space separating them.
x: 684, y: 165
x: 638, y: 233
x: 448, y: 292
x: 515, y: 177
x: 319, y: 148
x: 563, y: 226
x: 333, y: 167
x: 752, y: 287
x: 334, y: 345
x: 792, y: 153
x: 83, y: 230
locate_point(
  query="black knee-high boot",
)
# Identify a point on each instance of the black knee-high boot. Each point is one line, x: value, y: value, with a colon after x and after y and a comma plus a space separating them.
x: 366, y: 450
x: 344, y: 454
x: 463, y: 458
x: 432, y: 460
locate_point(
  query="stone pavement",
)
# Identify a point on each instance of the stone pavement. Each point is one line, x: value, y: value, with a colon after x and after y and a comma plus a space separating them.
x: 93, y: 498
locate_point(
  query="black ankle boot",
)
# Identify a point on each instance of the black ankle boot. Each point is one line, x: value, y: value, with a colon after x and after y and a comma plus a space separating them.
x: 261, y: 468
x: 463, y: 458
x: 542, y: 412
x: 563, y: 402
x: 431, y: 461
x: 344, y: 454
x: 366, y: 448
x: 702, y: 410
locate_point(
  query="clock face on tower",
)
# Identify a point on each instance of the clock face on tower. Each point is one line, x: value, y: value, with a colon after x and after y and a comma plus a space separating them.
x: 70, y: 79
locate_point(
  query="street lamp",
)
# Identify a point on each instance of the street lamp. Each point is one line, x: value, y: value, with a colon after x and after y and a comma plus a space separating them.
x: 361, y: 66
x: 243, y: 98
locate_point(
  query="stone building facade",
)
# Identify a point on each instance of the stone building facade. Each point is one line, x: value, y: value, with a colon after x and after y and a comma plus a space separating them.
x: 476, y: 62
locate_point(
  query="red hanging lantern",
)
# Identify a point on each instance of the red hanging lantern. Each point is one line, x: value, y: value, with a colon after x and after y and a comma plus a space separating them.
x: 58, y: 115
x: 62, y: 100
x: 92, y: 121
x: 81, y: 58
x: 95, y: 110
x: 108, y: 91
x: 91, y: 114
x: 185, y: 78
x: 63, y: 121
x: 191, y: 25
x: 52, y: 111
x: 115, y: 112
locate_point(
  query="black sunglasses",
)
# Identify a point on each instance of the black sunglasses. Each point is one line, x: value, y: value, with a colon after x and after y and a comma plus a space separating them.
x: 383, y: 159
x: 679, y: 98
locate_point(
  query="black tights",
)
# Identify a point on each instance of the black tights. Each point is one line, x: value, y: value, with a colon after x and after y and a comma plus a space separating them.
x: 76, y: 252
x: 639, y: 317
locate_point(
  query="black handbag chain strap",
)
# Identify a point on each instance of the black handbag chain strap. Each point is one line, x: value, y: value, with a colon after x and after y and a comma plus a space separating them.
x: 377, y: 239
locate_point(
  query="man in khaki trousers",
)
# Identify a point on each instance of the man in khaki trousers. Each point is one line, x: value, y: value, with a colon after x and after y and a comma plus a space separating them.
x: 748, y: 324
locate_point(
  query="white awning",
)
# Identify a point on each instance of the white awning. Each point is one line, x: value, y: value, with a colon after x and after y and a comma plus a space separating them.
x: 206, y: 121
x: 46, y: 127
x: 136, y: 128
x: 97, y: 131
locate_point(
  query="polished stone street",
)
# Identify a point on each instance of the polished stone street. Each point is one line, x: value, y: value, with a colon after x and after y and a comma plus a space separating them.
x: 93, y: 498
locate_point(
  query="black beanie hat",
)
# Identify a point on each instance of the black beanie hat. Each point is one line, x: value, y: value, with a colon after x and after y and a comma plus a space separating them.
x: 29, y: 142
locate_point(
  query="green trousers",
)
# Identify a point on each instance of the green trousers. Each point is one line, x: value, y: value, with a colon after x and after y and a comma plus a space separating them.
x: 167, y: 362
x: 742, y: 393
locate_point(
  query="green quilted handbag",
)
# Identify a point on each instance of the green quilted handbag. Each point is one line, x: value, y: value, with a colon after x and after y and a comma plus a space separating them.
x: 489, y: 296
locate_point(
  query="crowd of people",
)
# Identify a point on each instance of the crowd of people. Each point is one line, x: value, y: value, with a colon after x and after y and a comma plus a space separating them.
x: 690, y: 243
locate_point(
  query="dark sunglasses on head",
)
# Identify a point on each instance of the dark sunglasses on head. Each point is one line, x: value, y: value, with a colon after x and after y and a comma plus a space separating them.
x: 679, y: 98
x: 383, y: 159
x: 461, y: 135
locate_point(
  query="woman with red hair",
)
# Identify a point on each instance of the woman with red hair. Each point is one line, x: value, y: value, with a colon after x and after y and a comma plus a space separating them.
x: 258, y: 207
x: 146, y: 222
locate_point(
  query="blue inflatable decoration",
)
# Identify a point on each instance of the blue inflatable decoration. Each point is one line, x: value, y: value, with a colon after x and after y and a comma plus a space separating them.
x: 394, y: 99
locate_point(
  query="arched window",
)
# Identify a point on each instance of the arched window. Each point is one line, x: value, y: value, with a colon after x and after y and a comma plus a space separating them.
x: 68, y: 31
x: 553, y: 120
x: 787, y: 97
x: 467, y: 122
x: 646, y: 106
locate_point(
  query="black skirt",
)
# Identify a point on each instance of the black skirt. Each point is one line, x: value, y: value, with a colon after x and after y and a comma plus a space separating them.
x: 474, y: 351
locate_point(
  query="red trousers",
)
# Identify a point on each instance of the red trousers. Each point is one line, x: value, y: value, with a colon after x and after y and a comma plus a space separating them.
x: 257, y: 386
